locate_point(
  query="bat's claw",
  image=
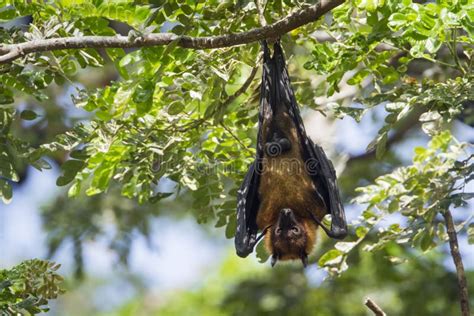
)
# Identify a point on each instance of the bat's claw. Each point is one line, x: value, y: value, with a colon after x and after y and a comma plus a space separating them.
x: 338, y: 232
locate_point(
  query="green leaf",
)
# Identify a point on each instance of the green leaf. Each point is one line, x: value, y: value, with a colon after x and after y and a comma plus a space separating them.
x: 361, y: 231
x: 143, y: 96
x: 7, y: 13
x: 28, y: 115
x: 186, y: 9
x: 175, y: 107
x: 70, y: 169
x: 40, y: 164
x: 333, y: 256
x: 183, y: 19
x: 74, y: 190
x: 6, y: 167
x: 262, y: 253
x: 6, y: 191
x: 397, y: 20
x: 358, y: 77
x: 393, y: 206
x: 470, y: 234
x: 231, y: 227
x: 426, y: 241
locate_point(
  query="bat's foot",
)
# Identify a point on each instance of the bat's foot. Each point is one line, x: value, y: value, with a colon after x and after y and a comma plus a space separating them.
x: 277, y: 147
x: 338, y: 232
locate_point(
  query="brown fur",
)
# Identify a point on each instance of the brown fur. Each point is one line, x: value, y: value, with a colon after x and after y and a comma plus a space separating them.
x: 284, y: 183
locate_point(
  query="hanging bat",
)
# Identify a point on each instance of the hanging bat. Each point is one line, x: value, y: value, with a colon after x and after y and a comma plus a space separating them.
x: 291, y: 185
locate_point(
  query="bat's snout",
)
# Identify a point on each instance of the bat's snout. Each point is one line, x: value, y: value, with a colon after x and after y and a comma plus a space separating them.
x: 286, y: 219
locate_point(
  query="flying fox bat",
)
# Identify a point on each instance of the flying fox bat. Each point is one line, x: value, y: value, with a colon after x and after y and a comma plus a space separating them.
x: 291, y: 185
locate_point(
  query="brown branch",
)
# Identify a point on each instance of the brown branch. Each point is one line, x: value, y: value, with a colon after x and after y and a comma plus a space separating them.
x: 235, y: 137
x: 323, y: 36
x: 454, y: 246
x: 374, y: 307
x: 283, y: 26
x: 242, y: 89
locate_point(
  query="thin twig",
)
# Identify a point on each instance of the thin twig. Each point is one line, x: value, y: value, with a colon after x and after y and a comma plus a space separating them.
x: 283, y: 26
x: 454, y: 246
x: 455, y: 53
x: 235, y: 137
x: 261, y: 12
x: 221, y: 107
x: 374, y: 307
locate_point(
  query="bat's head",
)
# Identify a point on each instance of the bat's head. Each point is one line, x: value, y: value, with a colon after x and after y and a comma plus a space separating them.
x: 291, y: 238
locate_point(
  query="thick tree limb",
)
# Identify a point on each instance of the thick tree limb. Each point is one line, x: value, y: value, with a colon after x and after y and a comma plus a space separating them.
x: 454, y: 246
x: 374, y: 307
x: 307, y: 15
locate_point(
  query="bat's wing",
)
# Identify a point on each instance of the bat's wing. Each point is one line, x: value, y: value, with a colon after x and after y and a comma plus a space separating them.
x: 247, y: 208
x: 317, y: 164
x: 248, y: 201
x: 326, y: 177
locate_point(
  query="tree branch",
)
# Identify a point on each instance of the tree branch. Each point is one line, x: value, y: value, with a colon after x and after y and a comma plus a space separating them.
x: 374, y: 307
x: 307, y: 15
x: 323, y: 36
x: 454, y: 246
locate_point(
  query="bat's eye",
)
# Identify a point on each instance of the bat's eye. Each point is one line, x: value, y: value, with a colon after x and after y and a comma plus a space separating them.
x: 278, y: 231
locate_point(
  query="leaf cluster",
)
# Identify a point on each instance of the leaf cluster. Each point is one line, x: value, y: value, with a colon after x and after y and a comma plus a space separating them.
x: 419, y: 194
x: 26, y: 288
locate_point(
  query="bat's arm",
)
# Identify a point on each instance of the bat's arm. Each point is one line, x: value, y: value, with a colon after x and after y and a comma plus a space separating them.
x: 336, y: 231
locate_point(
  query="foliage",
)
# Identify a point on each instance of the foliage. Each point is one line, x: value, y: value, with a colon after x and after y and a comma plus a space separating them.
x: 239, y: 287
x: 82, y: 220
x: 377, y: 44
x: 26, y: 288
x: 420, y: 193
x: 379, y: 55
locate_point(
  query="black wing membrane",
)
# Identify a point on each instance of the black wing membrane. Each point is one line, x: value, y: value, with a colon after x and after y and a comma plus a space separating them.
x: 248, y: 201
x: 276, y: 91
x: 247, y: 208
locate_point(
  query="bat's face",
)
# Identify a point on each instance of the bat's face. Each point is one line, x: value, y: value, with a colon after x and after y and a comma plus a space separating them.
x: 290, y: 238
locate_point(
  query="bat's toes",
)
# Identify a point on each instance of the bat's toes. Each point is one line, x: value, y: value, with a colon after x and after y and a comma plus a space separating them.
x: 338, y: 232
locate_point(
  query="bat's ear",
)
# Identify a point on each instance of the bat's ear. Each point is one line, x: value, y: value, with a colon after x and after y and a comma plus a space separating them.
x: 274, y: 260
x: 304, y: 259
